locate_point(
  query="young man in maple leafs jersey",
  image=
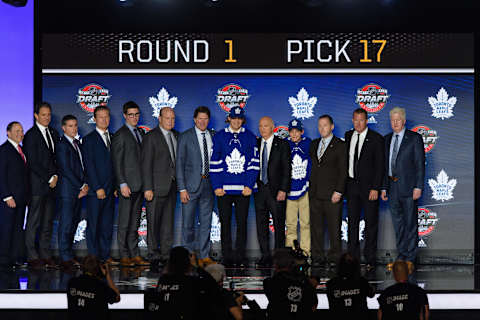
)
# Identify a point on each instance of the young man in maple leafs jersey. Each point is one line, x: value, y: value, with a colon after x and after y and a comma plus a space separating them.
x: 298, y: 207
x: 234, y: 168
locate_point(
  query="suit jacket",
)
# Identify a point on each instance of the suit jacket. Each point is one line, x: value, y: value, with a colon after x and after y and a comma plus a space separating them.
x: 98, y: 163
x: 410, y: 164
x: 371, y: 162
x: 158, y: 169
x: 14, y: 175
x: 330, y: 174
x: 71, y: 176
x: 189, y: 161
x: 126, y: 157
x: 279, y: 166
x: 40, y: 160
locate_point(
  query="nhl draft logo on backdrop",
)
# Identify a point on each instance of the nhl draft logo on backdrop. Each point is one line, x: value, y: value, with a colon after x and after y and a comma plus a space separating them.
x: 429, y: 136
x: 372, y: 98
x: 91, y: 96
x: 442, y: 188
x: 302, y: 105
x: 161, y: 101
x: 281, y: 132
x: 427, y: 221
x: 232, y: 95
x: 442, y: 105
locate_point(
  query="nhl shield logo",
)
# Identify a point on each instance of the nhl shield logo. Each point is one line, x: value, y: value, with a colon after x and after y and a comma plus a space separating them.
x: 302, y: 105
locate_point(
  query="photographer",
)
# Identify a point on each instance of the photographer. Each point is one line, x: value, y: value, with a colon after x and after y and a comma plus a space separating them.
x: 89, y: 294
x: 289, y: 292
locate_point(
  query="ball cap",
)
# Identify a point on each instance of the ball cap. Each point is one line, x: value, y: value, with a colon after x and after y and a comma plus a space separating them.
x: 237, y: 112
x: 295, y: 124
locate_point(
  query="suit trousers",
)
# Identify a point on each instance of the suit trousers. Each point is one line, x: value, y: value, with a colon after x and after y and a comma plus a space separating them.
x: 322, y: 211
x: 129, y: 215
x: 160, y: 215
x: 266, y: 204
x: 69, y: 217
x: 202, y: 200
x: 298, y: 210
x: 100, y: 225
x: 41, y: 214
x: 241, y: 213
x: 12, y: 235
x: 357, y: 200
x: 404, y: 211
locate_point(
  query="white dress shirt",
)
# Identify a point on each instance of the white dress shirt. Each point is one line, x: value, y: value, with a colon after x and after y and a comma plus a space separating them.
x: 44, y: 134
x: 102, y: 134
x: 351, y: 154
x: 208, y: 137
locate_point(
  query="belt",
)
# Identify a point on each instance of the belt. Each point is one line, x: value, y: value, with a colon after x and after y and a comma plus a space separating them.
x: 394, y: 179
x: 204, y: 176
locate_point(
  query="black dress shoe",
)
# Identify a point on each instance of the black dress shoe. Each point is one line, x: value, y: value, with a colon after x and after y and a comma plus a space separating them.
x: 228, y: 263
x: 242, y: 263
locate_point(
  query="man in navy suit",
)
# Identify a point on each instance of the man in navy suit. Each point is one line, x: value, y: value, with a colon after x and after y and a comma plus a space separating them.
x: 193, y: 180
x: 403, y: 183
x: 72, y: 187
x: 100, y: 179
x: 14, y: 195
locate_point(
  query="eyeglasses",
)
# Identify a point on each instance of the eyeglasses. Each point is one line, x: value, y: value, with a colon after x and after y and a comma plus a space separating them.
x: 133, y: 115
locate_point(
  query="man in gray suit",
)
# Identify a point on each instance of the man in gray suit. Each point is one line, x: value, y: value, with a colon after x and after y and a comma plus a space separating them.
x: 403, y: 182
x: 126, y: 156
x: 193, y: 180
x: 159, y: 148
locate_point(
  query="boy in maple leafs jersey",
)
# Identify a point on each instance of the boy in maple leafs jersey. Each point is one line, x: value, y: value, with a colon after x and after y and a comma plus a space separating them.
x: 297, y: 202
x: 234, y: 168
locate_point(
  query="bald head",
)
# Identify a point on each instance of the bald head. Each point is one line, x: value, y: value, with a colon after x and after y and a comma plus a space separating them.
x: 400, y: 271
x: 166, y: 119
x: 265, y: 126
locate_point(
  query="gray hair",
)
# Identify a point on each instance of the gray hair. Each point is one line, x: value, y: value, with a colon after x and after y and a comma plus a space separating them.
x: 400, y: 111
x: 217, y: 271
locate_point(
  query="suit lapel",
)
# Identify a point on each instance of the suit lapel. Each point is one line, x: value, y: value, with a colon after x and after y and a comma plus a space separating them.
x: 44, y: 143
x: 195, y: 141
x: 404, y: 142
x: 12, y: 148
x: 161, y: 137
x: 366, y: 144
x: 274, y: 147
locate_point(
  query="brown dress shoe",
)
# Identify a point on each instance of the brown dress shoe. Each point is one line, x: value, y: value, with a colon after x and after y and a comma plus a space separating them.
x: 411, y: 267
x: 127, y: 262
x: 139, y: 261
x: 50, y: 263
x: 202, y: 263
x: 112, y: 262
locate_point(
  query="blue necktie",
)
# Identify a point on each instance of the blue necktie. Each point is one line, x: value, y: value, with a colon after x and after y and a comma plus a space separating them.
x: 265, y: 163
x: 393, y: 162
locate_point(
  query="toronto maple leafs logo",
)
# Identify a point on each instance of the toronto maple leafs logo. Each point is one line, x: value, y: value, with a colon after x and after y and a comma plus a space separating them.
x: 302, y: 105
x: 294, y: 294
x: 299, y: 167
x: 80, y: 232
x: 161, y: 101
x: 442, y: 188
x: 442, y: 105
x: 215, y: 229
x: 235, y: 162
x: 345, y: 229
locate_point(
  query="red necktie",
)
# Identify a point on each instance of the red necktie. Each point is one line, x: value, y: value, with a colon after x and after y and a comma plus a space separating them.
x: 21, y: 153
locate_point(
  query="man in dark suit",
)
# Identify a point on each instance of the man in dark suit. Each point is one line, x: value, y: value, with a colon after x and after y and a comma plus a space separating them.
x: 14, y: 195
x: 159, y: 148
x: 72, y: 187
x: 327, y: 187
x: 403, y: 183
x: 100, y: 179
x: 126, y: 155
x: 40, y: 147
x: 273, y: 184
x: 193, y: 180
x: 366, y: 164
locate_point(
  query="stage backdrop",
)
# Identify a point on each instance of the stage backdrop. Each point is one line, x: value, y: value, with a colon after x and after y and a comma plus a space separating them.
x: 440, y: 107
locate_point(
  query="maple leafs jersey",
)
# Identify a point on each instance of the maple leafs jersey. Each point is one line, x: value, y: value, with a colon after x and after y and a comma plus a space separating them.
x: 301, y: 167
x: 235, y: 161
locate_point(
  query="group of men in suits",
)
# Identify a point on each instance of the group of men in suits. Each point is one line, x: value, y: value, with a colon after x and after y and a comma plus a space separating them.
x: 289, y: 178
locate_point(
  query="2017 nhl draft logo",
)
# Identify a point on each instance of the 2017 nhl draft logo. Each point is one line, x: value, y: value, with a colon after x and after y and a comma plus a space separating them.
x: 91, y: 96
x: 442, y: 105
x: 345, y: 230
x: 302, y: 105
x: 80, y: 231
x: 427, y: 221
x: 144, y: 128
x: 442, y: 188
x: 142, y: 229
x: 215, y: 228
x: 429, y: 136
x: 232, y: 95
x: 161, y: 101
x: 372, y: 98
x: 281, y: 132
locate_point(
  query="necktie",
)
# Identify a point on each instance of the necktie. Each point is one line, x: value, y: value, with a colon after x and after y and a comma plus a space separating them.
x: 107, y: 138
x: 355, y: 157
x: 393, y: 161
x: 171, y: 146
x: 265, y: 163
x: 322, y: 150
x: 21, y: 153
x: 49, y: 140
x: 206, y: 163
x: 137, y: 135
x: 75, y: 144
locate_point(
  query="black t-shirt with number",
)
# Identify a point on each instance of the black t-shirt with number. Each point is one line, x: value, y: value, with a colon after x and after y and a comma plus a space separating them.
x: 402, y: 301
x: 290, y: 296
x: 89, y: 296
x: 348, y: 297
